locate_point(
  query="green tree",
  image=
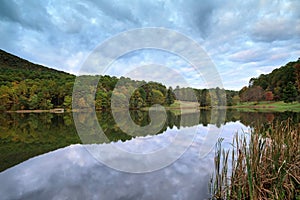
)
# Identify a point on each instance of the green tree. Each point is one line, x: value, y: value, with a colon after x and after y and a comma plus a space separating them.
x: 143, y: 94
x: 289, y: 93
x: 236, y: 100
x: 136, y: 100
x: 205, y: 99
x: 170, y: 98
x: 67, y: 102
x: 102, y: 100
x: 157, y: 97
x: 297, y: 72
x: 34, y: 102
x: 5, y: 98
x: 221, y: 97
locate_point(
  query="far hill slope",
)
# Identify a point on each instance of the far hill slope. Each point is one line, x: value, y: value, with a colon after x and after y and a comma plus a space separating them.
x: 25, y: 85
x: 13, y: 68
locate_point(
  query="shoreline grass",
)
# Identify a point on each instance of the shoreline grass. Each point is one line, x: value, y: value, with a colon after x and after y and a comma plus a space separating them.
x: 277, y: 106
x: 265, y: 166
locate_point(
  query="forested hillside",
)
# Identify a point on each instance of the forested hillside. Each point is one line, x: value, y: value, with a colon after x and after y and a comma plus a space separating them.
x: 24, y: 85
x: 282, y: 84
x: 13, y: 68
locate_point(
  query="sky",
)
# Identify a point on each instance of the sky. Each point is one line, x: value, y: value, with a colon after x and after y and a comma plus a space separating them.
x: 242, y: 38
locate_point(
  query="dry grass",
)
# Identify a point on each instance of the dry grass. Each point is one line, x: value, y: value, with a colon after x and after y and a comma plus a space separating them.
x: 266, y: 166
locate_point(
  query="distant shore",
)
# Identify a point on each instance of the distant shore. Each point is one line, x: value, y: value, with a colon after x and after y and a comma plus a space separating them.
x: 276, y: 106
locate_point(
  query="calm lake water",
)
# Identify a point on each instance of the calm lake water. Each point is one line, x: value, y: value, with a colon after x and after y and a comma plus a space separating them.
x: 42, y: 156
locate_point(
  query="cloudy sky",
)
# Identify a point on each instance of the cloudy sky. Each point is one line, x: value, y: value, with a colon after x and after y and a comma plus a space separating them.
x: 242, y: 38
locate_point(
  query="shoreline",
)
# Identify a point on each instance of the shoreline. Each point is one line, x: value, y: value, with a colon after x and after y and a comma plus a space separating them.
x: 277, y: 106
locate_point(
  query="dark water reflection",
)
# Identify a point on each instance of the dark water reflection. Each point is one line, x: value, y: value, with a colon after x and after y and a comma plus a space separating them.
x: 72, y: 173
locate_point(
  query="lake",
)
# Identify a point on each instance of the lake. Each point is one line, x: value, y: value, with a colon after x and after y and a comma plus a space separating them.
x: 42, y: 156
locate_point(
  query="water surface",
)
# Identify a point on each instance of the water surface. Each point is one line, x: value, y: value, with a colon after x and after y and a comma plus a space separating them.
x: 57, y: 166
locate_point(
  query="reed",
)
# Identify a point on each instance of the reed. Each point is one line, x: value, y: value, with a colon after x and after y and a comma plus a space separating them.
x: 264, y: 166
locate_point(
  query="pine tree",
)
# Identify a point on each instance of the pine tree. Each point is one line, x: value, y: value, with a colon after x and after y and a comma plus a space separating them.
x: 289, y: 93
x: 170, y: 98
x: 297, y: 72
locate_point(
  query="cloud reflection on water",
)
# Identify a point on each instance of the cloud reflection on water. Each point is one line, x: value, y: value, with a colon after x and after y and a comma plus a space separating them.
x: 72, y: 173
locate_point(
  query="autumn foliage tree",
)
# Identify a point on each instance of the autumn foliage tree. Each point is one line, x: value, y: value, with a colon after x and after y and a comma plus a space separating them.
x: 255, y: 93
x: 269, y: 96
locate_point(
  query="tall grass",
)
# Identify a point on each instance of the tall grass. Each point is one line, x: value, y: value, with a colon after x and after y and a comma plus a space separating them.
x: 265, y: 166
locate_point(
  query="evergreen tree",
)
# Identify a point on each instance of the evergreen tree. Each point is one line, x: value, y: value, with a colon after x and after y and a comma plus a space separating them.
x: 170, y: 98
x: 297, y: 72
x: 289, y: 93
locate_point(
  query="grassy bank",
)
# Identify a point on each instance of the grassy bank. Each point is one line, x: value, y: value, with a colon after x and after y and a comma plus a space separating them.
x: 263, y: 106
x: 278, y: 106
x: 180, y: 107
x: 264, y: 167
